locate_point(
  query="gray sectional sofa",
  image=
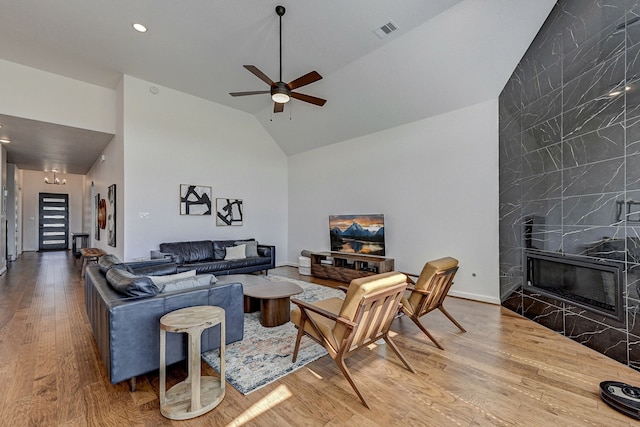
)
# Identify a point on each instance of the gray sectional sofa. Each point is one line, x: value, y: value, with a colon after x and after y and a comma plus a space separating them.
x: 219, y: 257
x: 124, y: 307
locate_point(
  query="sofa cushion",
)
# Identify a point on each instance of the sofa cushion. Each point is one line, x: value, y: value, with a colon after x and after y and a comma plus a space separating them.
x: 127, y: 283
x: 248, y: 262
x: 200, y: 251
x: 235, y: 252
x: 190, y: 282
x: 206, y: 267
x: 185, y: 252
x: 251, y: 247
x: 220, y: 248
x: 168, y: 278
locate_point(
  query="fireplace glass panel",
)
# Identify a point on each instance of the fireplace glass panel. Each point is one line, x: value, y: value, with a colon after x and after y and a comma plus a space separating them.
x: 594, y: 285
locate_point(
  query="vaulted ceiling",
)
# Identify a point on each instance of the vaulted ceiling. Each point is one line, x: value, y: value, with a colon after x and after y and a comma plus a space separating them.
x: 445, y: 55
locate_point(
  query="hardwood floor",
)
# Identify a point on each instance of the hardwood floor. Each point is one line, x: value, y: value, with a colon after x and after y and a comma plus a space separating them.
x: 505, y: 371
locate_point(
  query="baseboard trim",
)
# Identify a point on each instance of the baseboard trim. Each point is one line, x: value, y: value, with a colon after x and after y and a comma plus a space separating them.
x: 474, y: 297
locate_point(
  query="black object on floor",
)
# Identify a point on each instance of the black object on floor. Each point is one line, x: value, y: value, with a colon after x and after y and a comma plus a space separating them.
x: 622, y: 397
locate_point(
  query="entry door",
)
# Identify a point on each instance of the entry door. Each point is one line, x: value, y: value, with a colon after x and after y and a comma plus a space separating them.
x: 54, y: 222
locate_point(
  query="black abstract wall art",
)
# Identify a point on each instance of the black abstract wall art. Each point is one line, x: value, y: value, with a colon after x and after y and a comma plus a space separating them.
x: 195, y: 200
x: 229, y: 211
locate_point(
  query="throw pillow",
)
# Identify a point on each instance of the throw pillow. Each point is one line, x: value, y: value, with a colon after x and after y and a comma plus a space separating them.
x: 236, y: 252
x: 252, y: 247
x: 163, y: 280
x: 191, y: 282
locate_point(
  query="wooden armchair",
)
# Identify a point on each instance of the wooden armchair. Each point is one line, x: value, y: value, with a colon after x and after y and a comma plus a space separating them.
x: 346, y: 326
x: 429, y: 291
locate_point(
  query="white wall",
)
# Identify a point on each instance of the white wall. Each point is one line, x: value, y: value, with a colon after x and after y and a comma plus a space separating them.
x: 33, y: 184
x: 171, y: 138
x: 104, y: 173
x: 34, y: 94
x: 436, y: 182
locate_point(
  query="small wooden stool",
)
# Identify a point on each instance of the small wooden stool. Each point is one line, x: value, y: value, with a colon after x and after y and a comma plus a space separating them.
x: 89, y: 254
x: 196, y: 395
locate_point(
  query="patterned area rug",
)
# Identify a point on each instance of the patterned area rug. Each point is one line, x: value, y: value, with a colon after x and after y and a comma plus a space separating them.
x: 264, y: 355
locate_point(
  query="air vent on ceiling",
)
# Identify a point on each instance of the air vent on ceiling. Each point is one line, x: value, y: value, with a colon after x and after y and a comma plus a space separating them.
x: 386, y: 29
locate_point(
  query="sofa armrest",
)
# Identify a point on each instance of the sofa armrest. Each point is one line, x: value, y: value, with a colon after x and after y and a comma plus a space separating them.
x: 268, y: 251
x: 162, y: 255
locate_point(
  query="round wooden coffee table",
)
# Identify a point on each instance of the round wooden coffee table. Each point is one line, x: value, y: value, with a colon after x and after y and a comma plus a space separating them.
x: 272, y: 299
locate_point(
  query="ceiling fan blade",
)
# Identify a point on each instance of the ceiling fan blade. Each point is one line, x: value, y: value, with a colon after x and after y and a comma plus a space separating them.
x: 308, y: 98
x: 255, y: 92
x: 304, y: 80
x: 259, y: 74
x: 278, y: 107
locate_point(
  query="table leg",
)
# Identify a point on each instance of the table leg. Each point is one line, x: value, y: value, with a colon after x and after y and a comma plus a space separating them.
x: 163, y: 367
x: 251, y: 305
x: 274, y: 312
x: 194, y: 369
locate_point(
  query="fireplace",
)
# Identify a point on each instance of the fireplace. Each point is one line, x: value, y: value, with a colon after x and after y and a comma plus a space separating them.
x: 593, y: 284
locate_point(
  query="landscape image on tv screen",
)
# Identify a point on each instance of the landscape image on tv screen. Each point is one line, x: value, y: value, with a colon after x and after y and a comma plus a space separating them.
x: 360, y: 234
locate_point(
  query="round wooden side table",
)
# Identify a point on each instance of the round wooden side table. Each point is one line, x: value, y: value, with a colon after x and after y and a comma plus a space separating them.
x: 197, y: 394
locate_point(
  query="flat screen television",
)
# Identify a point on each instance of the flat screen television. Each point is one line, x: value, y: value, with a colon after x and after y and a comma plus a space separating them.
x: 360, y: 234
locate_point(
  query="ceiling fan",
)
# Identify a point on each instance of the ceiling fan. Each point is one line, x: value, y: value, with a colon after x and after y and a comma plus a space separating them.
x: 282, y: 92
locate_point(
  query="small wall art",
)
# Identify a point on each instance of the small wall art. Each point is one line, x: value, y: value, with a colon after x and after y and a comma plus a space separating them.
x: 111, y: 215
x: 195, y: 200
x: 96, y: 233
x: 229, y: 211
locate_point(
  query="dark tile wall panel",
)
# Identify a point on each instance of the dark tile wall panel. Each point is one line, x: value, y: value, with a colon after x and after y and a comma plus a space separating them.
x: 570, y: 164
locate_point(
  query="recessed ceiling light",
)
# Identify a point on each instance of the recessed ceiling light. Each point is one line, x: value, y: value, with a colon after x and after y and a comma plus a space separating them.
x: 5, y: 141
x: 139, y: 27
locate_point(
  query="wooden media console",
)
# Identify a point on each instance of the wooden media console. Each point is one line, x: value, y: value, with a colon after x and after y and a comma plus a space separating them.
x: 345, y: 267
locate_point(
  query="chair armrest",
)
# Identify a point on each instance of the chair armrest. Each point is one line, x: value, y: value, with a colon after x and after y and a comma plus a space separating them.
x: 409, y: 279
x: 419, y: 291
x: 304, y: 306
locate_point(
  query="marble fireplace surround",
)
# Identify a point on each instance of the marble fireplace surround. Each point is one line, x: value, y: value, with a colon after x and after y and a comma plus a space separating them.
x: 569, y: 147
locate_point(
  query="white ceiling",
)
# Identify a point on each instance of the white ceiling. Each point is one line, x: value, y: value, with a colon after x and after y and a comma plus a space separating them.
x: 448, y: 54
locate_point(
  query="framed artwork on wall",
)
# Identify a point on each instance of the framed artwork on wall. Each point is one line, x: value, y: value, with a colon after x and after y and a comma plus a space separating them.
x: 111, y: 215
x: 229, y: 211
x: 102, y: 214
x: 195, y: 200
x: 96, y: 233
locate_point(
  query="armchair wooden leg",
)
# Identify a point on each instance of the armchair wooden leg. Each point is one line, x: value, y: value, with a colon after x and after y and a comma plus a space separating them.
x: 343, y: 368
x: 423, y: 329
x: 298, y: 338
x: 450, y: 317
x: 395, y: 349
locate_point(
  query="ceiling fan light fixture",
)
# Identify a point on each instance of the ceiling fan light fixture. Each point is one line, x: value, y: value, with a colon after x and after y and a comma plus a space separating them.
x: 280, y: 98
x: 280, y: 93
